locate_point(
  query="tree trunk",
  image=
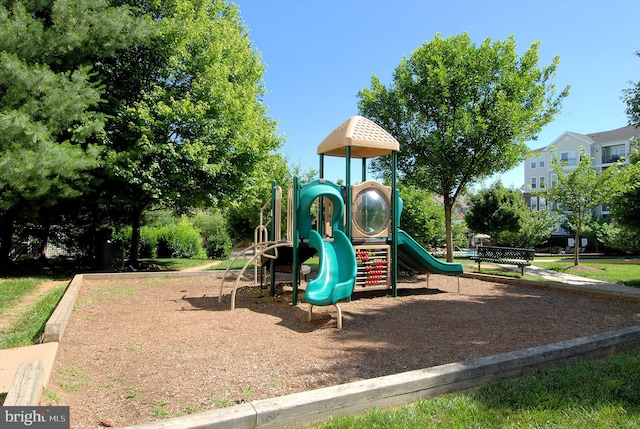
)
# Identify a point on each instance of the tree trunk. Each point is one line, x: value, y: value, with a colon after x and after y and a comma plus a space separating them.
x: 135, y: 239
x: 43, y: 240
x: 448, y: 207
x: 135, y: 235
x: 576, y: 247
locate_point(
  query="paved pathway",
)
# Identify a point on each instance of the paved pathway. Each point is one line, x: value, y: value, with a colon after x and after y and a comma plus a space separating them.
x: 202, y: 267
x: 583, y: 282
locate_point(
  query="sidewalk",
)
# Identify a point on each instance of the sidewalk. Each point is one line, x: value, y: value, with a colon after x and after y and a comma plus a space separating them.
x: 583, y: 283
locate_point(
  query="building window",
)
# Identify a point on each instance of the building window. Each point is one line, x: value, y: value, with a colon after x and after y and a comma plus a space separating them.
x: 554, y: 180
x: 541, y: 162
x: 543, y: 203
x: 534, y: 204
x: 533, y: 183
x: 533, y: 162
x: 568, y: 157
x: 541, y: 182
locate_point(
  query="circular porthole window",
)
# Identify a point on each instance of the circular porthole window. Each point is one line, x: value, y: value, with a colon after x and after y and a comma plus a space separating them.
x: 371, y: 212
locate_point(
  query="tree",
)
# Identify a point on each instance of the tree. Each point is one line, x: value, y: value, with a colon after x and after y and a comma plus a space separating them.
x: 243, y: 215
x: 50, y: 124
x: 577, y: 192
x: 496, y: 210
x: 631, y: 97
x: 188, y: 126
x: 625, y: 204
x: 461, y: 113
x: 534, y: 229
x: 422, y: 217
x: 624, y: 232
x: 620, y: 236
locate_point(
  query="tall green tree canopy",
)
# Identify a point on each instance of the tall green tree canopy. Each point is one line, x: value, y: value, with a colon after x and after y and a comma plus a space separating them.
x: 51, y: 129
x: 496, y: 210
x: 189, y: 125
x: 462, y: 112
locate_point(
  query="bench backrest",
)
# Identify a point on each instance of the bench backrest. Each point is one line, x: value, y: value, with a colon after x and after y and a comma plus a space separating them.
x: 515, y: 253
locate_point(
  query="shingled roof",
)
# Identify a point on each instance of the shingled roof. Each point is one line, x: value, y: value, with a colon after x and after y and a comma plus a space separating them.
x: 620, y: 134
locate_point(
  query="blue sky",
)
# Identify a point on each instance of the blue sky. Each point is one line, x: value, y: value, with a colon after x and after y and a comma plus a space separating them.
x: 319, y: 53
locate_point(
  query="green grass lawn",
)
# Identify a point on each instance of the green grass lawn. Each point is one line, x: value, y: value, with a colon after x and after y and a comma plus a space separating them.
x: 625, y: 274
x: 27, y: 328
x: 12, y: 290
x: 470, y: 266
x: 588, y: 394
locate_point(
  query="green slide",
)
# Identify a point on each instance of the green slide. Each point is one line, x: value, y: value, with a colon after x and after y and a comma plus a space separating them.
x: 414, y: 257
x: 336, y: 269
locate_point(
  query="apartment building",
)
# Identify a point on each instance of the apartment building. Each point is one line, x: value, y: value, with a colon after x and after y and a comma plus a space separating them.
x: 605, y: 148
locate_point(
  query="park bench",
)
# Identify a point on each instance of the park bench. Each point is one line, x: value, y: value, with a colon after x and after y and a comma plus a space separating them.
x: 504, y: 255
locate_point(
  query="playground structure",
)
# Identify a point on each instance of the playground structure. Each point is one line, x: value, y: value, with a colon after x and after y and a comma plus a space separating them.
x: 355, y: 233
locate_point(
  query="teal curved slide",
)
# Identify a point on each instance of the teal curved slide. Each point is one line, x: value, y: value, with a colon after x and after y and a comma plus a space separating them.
x: 336, y: 269
x: 415, y: 257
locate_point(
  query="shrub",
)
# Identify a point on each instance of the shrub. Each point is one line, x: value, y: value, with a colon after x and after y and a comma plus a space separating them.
x: 214, y: 227
x: 218, y: 246
x: 148, y: 242
x: 181, y: 240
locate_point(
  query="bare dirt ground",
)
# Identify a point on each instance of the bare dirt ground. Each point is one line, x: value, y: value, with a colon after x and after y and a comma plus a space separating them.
x: 140, y: 350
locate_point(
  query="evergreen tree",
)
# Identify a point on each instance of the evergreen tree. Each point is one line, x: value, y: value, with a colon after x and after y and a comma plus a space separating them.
x: 51, y: 129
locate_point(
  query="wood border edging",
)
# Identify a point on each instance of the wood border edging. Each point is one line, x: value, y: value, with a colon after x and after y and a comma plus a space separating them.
x: 27, y: 385
x: 57, y: 323
x: 321, y: 404
x: 149, y: 274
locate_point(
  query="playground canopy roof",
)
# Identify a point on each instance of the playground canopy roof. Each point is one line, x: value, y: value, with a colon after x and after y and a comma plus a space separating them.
x: 366, y: 139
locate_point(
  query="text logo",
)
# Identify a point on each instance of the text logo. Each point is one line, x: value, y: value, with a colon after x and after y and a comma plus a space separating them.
x: 34, y: 417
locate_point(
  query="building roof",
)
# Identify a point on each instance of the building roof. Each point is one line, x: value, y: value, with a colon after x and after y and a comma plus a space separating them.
x: 612, y: 136
x: 366, y: 139
x: 620, y: 134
